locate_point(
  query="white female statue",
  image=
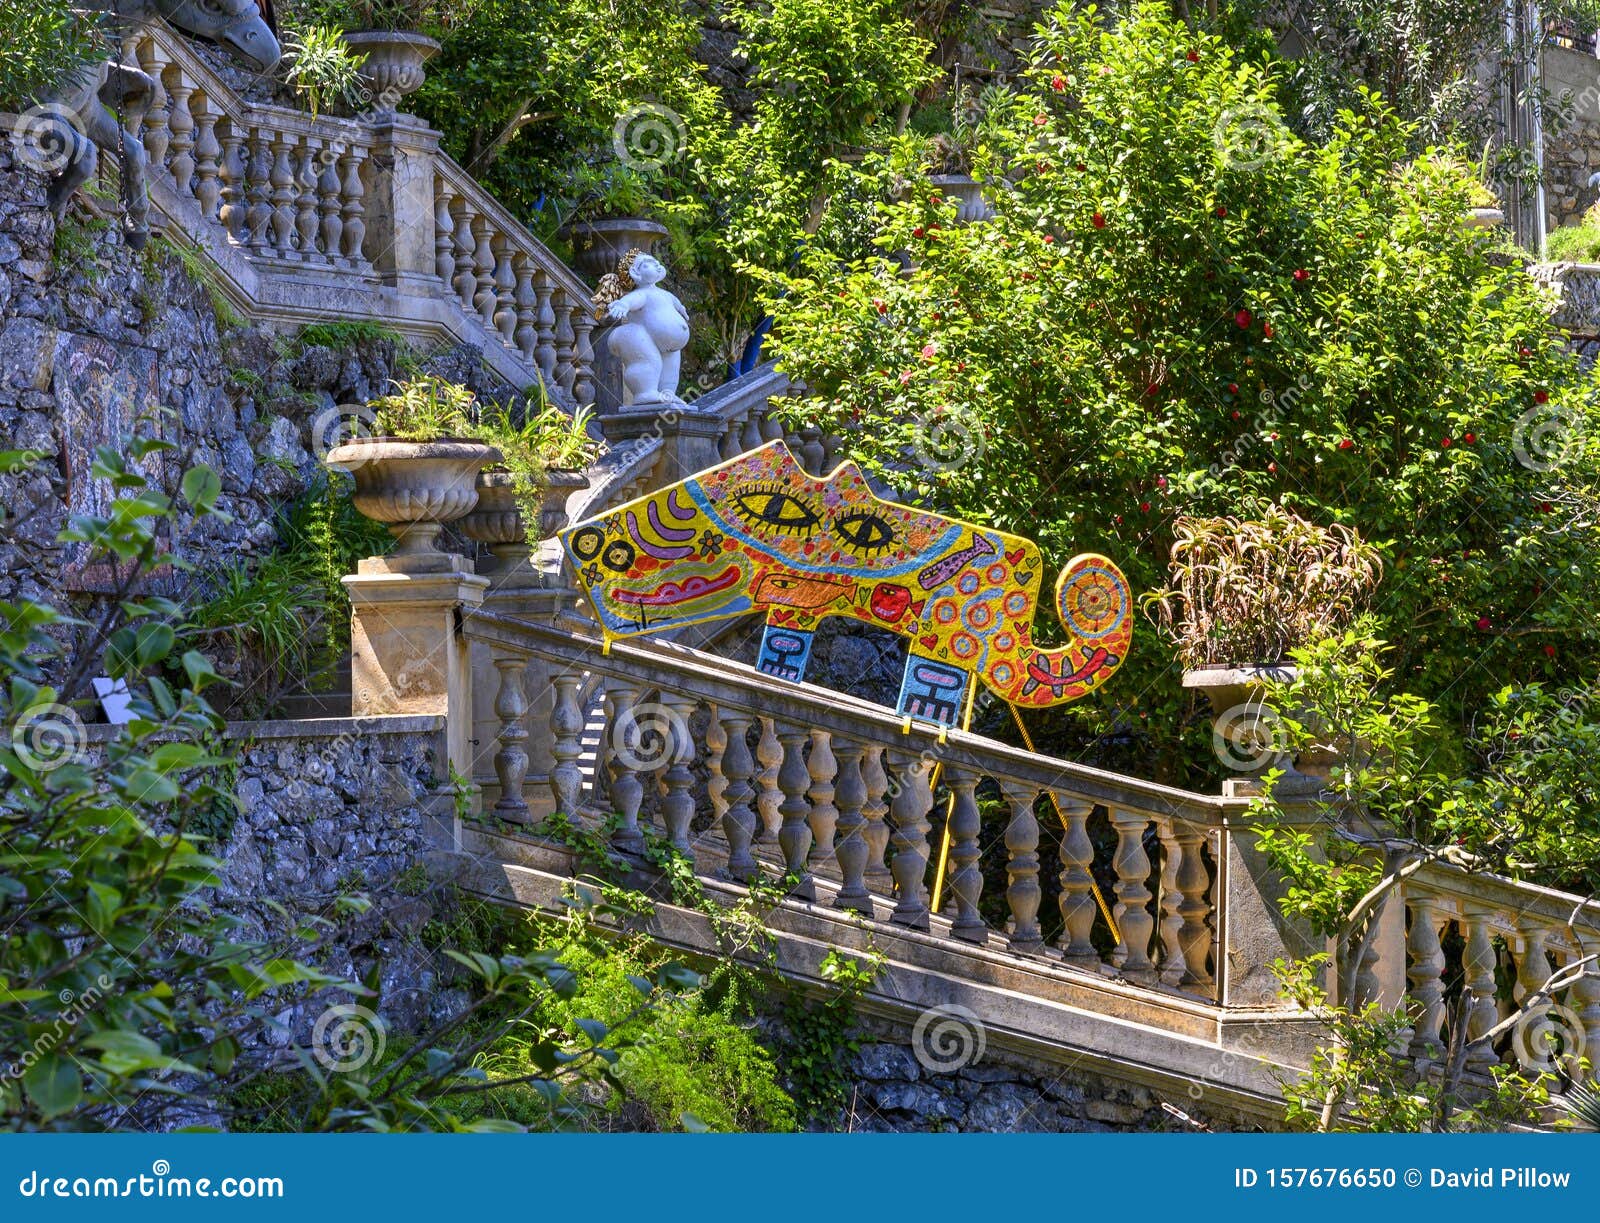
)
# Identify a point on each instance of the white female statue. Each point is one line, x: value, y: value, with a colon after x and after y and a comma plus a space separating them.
x: 651, y: 332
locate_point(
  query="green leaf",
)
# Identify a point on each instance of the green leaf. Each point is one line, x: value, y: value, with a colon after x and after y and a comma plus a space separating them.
x: 54, y: 1085
x: 201, y: 487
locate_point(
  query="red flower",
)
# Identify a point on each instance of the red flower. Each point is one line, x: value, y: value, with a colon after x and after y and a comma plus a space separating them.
x: 1244, y: 318
x: 927, y: 352
x: 1550, y: 651
x: 1524, y: 351
x: 1233, y: 388
x: 882, y: 306
x: 1027, y: 275
x: 1541, y: 397
x: 1144, y: 507
x: 1049, y: 238
x: 1058, y: 84
x: 1469, y: 438
x: 1346, y: 444
x: 1152, y: 388
x: 1098, y: 220
x: 1221, y: 211
x: 1300, y: 274
x: 1040, y: 120
x: 1444, y: 443
x: 1081, y: 166
x: 1192, y: 56
x: 1545, y: 507
x: 1235, y: 414
x: 1161, y: 482
x: 1118, y: 520
x: 1266, y: 330
x: 1273, y: 468
x: 1273, y: 438
x: 936, y: 316
x: 918, y: 232
x: 1483, y: 624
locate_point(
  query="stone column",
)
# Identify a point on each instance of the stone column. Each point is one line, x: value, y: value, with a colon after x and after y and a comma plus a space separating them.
x: 407, y: 652
x: 401, y: 203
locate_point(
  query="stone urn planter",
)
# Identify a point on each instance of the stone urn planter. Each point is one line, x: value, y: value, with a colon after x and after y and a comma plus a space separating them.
x: 1485, y: 218
x: 394, y: 64
x: 598, y: 246
x: 1246, y: 727
x: 496, y: 520
x: 413, y: 487
x: 967, y: 192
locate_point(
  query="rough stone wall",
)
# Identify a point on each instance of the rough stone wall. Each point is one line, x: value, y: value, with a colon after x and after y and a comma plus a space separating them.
x: 93, y: 336
x: 896, y: 1093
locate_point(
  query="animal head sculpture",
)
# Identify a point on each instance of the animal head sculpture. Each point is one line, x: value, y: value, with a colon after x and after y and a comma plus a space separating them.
x: 759, y: 534
x: 238, y: 24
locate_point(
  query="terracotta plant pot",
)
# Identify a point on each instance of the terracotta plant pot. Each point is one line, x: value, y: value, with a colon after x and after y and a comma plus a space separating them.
x: 598, y: 246
x: 394, y: 64
x: 971, y: 203
x: 413, y: 487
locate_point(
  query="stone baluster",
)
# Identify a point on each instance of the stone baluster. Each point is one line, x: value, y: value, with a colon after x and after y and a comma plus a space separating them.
x: 466, y: 281
x: 1424, y: 974
x: 1077, y: 901
x: 566, y: 345
x: 259, y: 191
x: 794, y: 835
x: 627, y: 791
x: 1533, y: 970
x: 677, y: 807
x: 525, y: 301
x: 353, y: 193
x: 181, y: 124
x: 752, y: 437
x: 1194, y: 906
x: 1170, y: 925
x: 769, y: 755
x: 485, y: 301
x: 208, y: 158
x: 505, y: 284
x: 331, y: 215
x: 823, y: 768
x: 157, y: 133
x: 909, y: 813
x: 444, y: 234
x: 728, y: 447
x: 716, y: 783
x: 1586, y: 1001
x: 306, y: 222
x: 876, y: 833
x: 1023, y: 893
x: 1133, y: 896
x: 511, y: 761
x: 1479, y: 966
x: 283, y: 196
x: 811, y: 451
x: 545, y: 350
x: 738, y: 820
x: 771, y: 428
x: 850, y: 793
x: 566, y: 731
x: 582, y: 356
x: 232, y: 173
x: 966, y: 883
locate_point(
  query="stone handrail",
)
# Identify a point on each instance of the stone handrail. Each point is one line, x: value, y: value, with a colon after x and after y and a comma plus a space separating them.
x: 833, y: 783
x: 744, y: 403
x: 314, y: 220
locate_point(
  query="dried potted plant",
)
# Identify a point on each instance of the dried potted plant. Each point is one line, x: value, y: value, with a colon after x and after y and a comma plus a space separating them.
x: 541, y: 465
x: 1245, y: 592
x: 952, y: 137
x: 419, y: 469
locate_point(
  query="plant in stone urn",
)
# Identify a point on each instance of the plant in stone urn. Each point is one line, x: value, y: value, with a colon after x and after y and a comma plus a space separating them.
x: 419, y: 469
x: 541, y: 465
x: 397, y: 37
x: 610, y: 215
x: 953, y: 133
x: 1245, y: 592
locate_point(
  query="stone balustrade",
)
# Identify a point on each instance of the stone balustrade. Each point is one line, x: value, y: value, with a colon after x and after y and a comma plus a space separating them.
x: 315, y: 220
x: 838, y: 795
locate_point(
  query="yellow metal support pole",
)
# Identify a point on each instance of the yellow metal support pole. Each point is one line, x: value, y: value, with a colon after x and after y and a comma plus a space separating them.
x: 944, y: 845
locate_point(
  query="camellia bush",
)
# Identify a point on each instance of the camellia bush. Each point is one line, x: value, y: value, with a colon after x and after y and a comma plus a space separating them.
x: 1180, y: 307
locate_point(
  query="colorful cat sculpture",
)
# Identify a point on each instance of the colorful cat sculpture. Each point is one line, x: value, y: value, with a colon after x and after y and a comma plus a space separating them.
x: 759, y: 534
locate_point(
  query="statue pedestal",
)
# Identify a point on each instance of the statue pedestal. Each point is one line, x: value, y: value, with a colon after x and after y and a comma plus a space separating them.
x: 691, y: 439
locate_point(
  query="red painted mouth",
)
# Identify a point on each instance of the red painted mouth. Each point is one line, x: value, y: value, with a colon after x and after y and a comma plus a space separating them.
x: 670, y: 594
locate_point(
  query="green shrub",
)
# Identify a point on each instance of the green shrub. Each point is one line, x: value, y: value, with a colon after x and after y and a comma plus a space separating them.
x: 1575, y: 243
x: 44, y: 41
